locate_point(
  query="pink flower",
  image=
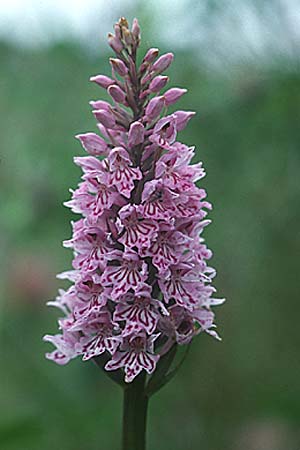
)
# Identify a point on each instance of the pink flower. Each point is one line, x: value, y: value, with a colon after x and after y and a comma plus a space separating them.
x: 140, y: 280
x: 130, y: 272
x: 122, y: 174
x: 135, y: 230
x: 181, y: 285
x: 158, y: 201
x: 164, y: 132
x: 100, y: 335
x: 139, y: 310
x: 91, y: 297
x: 179, y: 325
x: 92, y: 198
x: 135, y: 354
x: 91, y: 248
x: 167, y: 248
x: 65, y: 347
x: 174, y: 168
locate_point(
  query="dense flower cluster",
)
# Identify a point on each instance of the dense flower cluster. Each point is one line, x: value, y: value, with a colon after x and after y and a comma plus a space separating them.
x: 140, y: 281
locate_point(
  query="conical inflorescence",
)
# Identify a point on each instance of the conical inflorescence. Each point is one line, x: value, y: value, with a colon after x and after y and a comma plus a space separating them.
x: 140, y: 279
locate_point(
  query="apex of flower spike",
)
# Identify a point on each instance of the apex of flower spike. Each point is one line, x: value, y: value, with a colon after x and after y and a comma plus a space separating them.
x: 125, y: 38
x: 136, y: 31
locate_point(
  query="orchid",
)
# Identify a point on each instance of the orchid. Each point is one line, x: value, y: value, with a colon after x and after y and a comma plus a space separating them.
x: 141, y: 283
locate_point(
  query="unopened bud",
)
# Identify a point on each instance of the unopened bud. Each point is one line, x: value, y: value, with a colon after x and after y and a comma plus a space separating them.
x: 118, y: 66
x: 127, y: 36
x: 135, y: 29
x: 173, y: 94
x: 117, y: 94
x: 182, y: 118
x: 93, y: 144
x: 102, y: 80
x: 115, y: 43
x: 100, y: 104
x: 158, y: 83
x: 136, y: 134
x: 105, y: 117
x: 117, y: 31
x: 151, y: 55
x: 163, y: 62
x: 154, y: 107
x: 103, y: 131
x: 123, y: 22
x: 144, y: 94
x: 146, y: 79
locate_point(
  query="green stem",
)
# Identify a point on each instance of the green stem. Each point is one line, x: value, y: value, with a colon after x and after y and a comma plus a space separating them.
x: 135, y: 415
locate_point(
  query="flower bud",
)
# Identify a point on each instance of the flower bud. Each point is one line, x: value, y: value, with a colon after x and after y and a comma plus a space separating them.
x: 117, y: 94
x: 135, y: 29
x: 173, y: 94
x: 165, y: 129
x: 132, y: 68
x: 146, y: 78
x: 100, y: 104
x: 144, y: 94
x: 118, y: 66
x: 102, y: 80
x: 127, y: 36
x: 158, y: 83
x: 105, y: 117
x: 115, y: 43
x: 103, y: 131
x: 182, y: 118
x: 123, y: 22
x: 163, y: 62
x: 136, y: 134
x: 151, y: 55
x: 117, y: 31
x: 154, y: 107
x: 93, y: 144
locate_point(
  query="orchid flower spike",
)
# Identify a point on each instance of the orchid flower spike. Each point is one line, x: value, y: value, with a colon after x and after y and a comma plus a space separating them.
x: 140, y: 282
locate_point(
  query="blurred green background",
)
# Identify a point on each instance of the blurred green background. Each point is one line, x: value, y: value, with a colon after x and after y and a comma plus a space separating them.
x: 243, y: 77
